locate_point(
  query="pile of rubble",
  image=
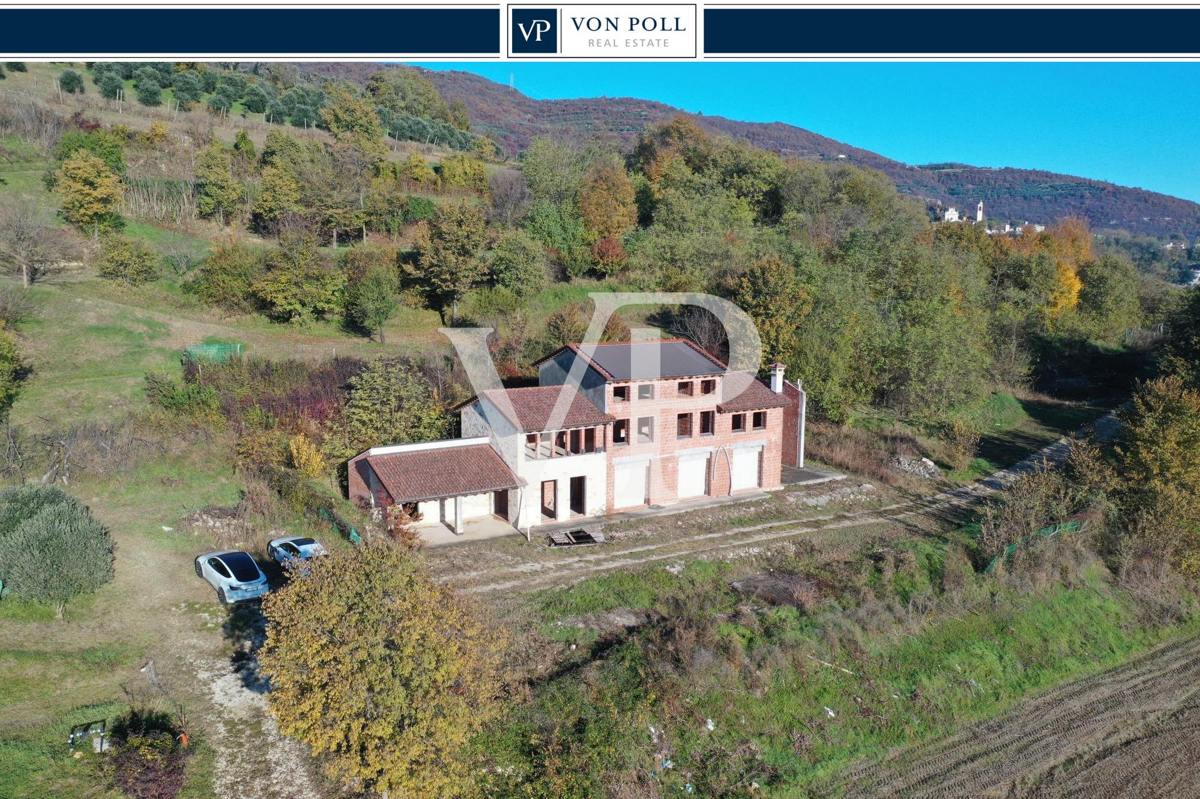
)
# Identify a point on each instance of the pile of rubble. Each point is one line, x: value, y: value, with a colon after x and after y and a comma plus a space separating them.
x: 920, y: 467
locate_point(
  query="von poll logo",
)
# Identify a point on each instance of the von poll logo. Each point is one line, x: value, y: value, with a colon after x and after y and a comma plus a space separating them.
x: 595, y: 31
x: 534, y: 30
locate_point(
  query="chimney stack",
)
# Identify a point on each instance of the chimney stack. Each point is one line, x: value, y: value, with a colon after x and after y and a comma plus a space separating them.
x: 777, y: 378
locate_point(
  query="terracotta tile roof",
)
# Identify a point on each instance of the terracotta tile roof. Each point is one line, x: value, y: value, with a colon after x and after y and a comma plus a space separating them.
x: 443, y: 472
x: 534, y: 406
x: 755, y: 396
x: 651, y: 360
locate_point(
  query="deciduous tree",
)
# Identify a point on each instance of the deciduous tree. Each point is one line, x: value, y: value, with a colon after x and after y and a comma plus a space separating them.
x: 519, y: 263
x: 371, y: 285
x: 450, y: 255
x: 390, y: 402
x: 382, y: 671
x: 217, y: 192
x: 298, y: 284
x: 91, y: 192
x: 127, y: 260
x: 30, y: 245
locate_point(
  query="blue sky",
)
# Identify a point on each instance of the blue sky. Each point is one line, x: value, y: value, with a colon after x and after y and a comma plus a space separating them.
x: 1132, y: 124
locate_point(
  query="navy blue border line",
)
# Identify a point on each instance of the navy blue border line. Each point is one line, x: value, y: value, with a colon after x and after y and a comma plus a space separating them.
x: 54, y: 31
x: 966, y: 31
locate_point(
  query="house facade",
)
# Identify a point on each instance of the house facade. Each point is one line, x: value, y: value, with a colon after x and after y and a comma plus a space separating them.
x: 610, y: 428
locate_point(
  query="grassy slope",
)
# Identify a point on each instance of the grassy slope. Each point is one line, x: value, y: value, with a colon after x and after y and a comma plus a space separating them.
x: 759, y: 683
x: 90, y: 347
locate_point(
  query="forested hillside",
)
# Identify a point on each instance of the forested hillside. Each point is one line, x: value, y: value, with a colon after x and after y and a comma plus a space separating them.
x: 222, y: 281
x: 1010, y: 195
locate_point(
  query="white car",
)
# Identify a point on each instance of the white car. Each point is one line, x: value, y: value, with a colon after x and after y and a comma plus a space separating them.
x: 294, y: 549
x: 234, y: 574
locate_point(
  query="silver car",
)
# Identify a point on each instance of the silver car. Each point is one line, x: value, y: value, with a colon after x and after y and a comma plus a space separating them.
x: 234, y: 574
x: 293, y: 550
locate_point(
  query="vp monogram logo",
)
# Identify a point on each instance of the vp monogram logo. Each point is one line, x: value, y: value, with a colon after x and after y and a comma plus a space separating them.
x: 534, y: 30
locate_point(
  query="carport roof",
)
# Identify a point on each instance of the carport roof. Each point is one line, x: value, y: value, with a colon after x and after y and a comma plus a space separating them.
x: 442, y: 472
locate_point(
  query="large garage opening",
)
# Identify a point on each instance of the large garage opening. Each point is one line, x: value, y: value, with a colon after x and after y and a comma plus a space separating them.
x: 632, y: 484
x: 747, y: 468
x: 693, y: 475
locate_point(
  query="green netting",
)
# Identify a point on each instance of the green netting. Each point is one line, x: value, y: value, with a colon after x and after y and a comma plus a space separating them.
x: 1054, y: 529
x: 340, y: 526
x: 212, y: 353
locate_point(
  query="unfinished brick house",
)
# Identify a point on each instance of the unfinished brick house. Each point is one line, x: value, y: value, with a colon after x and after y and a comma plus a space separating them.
x: 650, y: 424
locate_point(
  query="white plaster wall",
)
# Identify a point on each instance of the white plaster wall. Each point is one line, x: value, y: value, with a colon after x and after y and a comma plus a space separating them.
x: 504, y: 437
x: 474, y: 506
x: 592, y: 467
x: 477, y: 505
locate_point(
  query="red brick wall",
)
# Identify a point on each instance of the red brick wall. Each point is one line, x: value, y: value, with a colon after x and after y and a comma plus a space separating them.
x: 664, y: 408
x: 358, y: 490
x: 791, y: 426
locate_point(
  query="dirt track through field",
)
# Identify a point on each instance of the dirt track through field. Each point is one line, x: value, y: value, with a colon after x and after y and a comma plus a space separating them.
x: 1131, y: 732
x: 538, y: 574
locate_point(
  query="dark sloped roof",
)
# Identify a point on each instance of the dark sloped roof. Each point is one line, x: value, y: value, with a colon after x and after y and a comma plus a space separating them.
x: 534, y: 407
x: 648, y: 360
x: 442, y: 472
x: 755, y: 396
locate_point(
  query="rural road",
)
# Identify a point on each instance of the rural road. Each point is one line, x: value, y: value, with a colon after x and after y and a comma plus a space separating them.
x: 534, y: 575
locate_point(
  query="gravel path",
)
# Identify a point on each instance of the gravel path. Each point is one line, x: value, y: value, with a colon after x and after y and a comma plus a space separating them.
x: 532, y: 575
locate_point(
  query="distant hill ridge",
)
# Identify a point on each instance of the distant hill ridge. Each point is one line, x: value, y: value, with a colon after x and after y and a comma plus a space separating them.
x: 1008, y: 194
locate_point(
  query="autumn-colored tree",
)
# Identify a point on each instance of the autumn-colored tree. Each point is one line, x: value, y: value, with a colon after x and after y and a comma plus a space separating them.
x: 352, y: 120
x: 567, y: 325
x: 382, y: 671
x: 279, y: 198
x: 1160, y: 437
x: 298, y: 284
x: 307, y: 458
x: 228, y: 276
x: 217, y: 193
x: 390, y: 402
x: 416, y: 171
x: 771, y: 294
x: 607, y: 202
x: 463, y: 171
x: 1159, y: 458
x: 450, y: 253
x: 459, y: 117
x: 127, y: 260
x: 91, y: 192
x: 679, y: 138
x: 406, y: 91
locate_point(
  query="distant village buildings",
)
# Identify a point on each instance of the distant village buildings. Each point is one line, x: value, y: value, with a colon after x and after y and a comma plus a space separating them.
x: 952, y: 215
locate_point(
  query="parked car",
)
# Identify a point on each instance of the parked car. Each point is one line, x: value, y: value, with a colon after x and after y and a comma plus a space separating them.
x: 234, y: 574
x: 294, y: 549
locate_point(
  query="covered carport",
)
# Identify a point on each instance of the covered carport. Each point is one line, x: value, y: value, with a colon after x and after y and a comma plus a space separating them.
x: 460, y: 486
